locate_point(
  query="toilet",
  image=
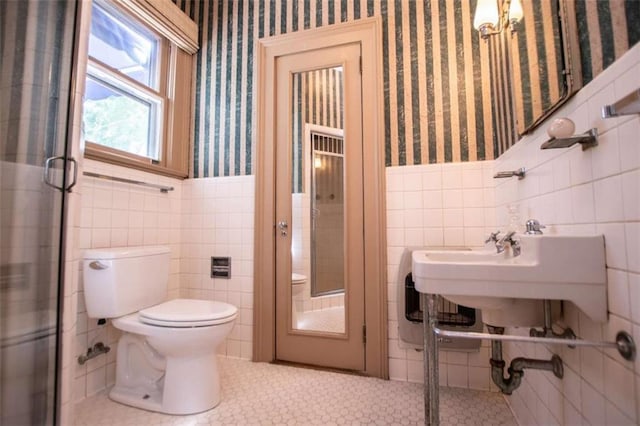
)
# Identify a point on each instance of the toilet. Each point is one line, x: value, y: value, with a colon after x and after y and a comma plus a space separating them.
x: 298, y: 282
x: 166, y: 359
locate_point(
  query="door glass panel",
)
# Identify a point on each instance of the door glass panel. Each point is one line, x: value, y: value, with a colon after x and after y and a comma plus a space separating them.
x: 317, y: 200
x: 36, y: 45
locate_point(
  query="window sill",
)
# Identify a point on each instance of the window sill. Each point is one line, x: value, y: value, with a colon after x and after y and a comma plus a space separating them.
x: 138, y: 163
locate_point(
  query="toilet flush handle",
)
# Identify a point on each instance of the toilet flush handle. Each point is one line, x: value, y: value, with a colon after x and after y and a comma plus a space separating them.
x: 96, y: 264
x: 283, y: 225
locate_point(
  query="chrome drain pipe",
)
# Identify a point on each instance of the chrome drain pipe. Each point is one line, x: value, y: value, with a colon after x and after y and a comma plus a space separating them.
x: 516, y: 369
x: 547, y: 329
x: 97, y: 349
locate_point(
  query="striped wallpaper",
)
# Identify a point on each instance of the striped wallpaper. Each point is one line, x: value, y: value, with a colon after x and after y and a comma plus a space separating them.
x: 536, y: 49
x: 317, y: 99
x: 502, y: 116
x: 36, y: 39
x: 436, y: 109
x: 610, y: 26
x: 606, y: 29
x: 437, y: 85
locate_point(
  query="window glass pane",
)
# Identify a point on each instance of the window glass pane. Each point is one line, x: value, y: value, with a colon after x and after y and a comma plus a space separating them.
x: 119, y: 120
x: 123, y: 44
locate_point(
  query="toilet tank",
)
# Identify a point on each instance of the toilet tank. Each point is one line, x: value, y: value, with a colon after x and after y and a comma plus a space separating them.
x: 119, y: 281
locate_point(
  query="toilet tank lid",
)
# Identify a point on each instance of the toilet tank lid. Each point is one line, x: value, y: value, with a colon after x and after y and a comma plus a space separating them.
x: 124, y: 252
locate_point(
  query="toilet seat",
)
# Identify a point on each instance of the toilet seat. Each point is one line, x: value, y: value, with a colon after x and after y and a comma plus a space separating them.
x: 188, y: 313
x: 298, y: 278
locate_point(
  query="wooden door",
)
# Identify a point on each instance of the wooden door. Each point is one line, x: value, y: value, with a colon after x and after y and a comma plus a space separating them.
x: 325, y: 82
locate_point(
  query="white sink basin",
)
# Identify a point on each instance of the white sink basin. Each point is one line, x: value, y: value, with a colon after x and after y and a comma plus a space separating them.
x: 508, y: 289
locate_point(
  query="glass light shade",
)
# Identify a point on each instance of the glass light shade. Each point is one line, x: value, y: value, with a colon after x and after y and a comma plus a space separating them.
x: 515, y: 11
x: 486, y: 13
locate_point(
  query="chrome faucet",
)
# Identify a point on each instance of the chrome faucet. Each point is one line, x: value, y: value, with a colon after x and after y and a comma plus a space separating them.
x: 501, y: 244
x: 534, y: 227
x: 492, y: 237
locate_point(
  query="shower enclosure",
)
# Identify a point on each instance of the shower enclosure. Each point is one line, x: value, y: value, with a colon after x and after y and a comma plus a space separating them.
x: 327, y: 214
x: 36, y: 47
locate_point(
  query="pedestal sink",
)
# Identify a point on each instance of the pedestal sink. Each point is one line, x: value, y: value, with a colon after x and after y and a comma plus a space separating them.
x: 509, y: 289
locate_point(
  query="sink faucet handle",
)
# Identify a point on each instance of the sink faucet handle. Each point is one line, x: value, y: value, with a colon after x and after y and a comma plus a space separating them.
x: 533, y: 227
x: 492, y: 237
x: 507, y: 239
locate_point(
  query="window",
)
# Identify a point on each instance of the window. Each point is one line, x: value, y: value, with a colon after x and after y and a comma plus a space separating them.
x: 132, y: 96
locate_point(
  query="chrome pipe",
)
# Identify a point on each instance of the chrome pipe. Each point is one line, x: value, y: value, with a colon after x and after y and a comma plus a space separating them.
x: 529, y: 339
x: 553, y: 365
x: 624, y: 342
x: 431, y: 373
x: 547, y: 314
x: 97, y: 349
x: 516, y: 369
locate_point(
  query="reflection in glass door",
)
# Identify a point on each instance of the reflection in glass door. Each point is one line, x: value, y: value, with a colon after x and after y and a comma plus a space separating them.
x: 317, y: 199
x: 36, y: 45
x: 320, y: 306
x: 319, y: 206
x: 327, y: 215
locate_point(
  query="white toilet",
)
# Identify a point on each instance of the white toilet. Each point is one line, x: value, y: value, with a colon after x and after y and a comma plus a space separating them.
x: 166, y: 359
x: 298, y: 282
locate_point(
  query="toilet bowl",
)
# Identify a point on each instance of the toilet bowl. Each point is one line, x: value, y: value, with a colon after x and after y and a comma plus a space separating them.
x: 298, y: 282
x: 166, y: 359
x: 297, y: 279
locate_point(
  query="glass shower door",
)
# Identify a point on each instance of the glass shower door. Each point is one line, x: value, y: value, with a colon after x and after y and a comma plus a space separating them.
x: 36, y: 47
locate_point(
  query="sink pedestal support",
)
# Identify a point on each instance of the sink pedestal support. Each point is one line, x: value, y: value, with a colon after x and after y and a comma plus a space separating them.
x: 624, y: 344
x: 431, y: 373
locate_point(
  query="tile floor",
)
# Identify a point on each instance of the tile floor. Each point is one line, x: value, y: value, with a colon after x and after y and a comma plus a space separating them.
x: 266, y: 394
x: 329, y: 319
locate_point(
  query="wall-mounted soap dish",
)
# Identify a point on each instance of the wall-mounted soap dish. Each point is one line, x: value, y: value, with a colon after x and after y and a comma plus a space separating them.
x: 587, y: 140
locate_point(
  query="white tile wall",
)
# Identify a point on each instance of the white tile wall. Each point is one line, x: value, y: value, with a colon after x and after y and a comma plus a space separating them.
x: 116, y: 214
x: 569, y: 190
x: 576, y: 192
x: 437, y: 205
x: 217, y: 220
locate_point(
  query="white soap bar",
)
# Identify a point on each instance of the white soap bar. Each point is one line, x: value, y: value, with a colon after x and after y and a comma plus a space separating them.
x: 561, y: 128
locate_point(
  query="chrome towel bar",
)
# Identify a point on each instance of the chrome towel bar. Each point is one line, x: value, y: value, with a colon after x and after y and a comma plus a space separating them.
x: 630, y: 104
x: 162, y: 188
x: 624, y: 342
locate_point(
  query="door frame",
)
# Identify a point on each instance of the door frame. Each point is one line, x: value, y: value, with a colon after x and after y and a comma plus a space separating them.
x: 368, y: 33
